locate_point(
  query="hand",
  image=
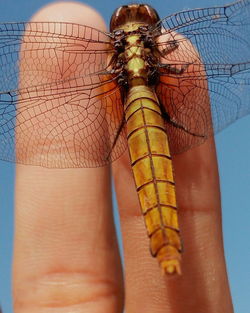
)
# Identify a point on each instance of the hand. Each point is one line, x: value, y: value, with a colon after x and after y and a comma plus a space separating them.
x: 66, y: 255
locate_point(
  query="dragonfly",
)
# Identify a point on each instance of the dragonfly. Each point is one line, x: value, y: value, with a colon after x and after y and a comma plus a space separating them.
x: 74, y: 96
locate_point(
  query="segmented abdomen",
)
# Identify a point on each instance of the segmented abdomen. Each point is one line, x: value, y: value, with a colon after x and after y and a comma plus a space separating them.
x: 153, y: 173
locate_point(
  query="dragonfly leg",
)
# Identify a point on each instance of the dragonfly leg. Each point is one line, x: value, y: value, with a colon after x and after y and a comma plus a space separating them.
x: 171, y: 69
x: 185, y: 129
x: 116, y: 138
x: 171, y: 121
x: 172, y: 46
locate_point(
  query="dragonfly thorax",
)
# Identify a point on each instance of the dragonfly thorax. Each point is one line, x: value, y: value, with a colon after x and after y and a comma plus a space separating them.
x: 133, y: 41
x: 135, y: 55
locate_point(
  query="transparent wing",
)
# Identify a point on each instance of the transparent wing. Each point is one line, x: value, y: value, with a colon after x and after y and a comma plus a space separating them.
x: 212, y: 53
x: 59, y: 104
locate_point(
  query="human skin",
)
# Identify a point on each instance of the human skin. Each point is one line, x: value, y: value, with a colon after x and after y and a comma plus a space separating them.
x: 66, y: 256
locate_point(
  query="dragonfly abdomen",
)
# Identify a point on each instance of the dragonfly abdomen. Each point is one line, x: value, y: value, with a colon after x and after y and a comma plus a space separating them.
x: 153, y: 173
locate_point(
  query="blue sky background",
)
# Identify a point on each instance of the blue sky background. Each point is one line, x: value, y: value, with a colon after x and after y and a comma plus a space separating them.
x: 233, y: 147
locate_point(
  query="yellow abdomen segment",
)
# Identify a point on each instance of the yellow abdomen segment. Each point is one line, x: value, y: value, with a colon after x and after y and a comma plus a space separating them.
x: 153, y: 173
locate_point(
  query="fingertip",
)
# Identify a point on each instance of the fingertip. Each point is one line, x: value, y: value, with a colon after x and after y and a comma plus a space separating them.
x: 72, y: 12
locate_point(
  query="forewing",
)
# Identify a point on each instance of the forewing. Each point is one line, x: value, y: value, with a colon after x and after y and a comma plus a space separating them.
x: 213, y: 48
x: 50, y: 51
x: 59, y: 105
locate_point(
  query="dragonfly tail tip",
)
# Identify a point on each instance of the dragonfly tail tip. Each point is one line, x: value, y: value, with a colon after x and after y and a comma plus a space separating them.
x: 171, y: 267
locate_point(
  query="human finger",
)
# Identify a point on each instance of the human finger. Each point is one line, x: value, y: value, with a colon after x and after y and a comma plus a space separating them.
x: 66, y: 255
x: 198, y: 198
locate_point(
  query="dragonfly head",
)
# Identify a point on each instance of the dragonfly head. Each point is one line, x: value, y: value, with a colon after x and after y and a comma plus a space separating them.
x: 141, y: 14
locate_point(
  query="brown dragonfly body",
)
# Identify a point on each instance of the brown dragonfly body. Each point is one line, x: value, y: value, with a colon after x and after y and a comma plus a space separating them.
x: 153, y: 173
x: 147, y: 139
